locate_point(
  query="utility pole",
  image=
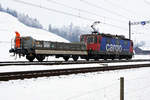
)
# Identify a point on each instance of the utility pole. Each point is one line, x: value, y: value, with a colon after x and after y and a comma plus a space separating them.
x: 121, y: 88
x: 129, y: 29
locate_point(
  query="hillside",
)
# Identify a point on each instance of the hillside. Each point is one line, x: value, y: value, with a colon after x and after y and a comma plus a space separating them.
x: 8, y: 26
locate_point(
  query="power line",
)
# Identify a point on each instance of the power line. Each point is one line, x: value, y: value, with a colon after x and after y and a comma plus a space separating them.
x: 107, y: 10
x: 66, y: 13
x: 85, y: 11
x: 125, y: 9
x: 54, y: 10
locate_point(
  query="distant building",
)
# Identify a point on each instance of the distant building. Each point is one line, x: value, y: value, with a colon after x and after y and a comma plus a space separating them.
x: 142, y: 50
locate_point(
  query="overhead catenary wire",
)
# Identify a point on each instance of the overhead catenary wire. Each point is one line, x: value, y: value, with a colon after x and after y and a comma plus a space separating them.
x: 66, y: 13
x: 107, y: 10
x: 120, y: 7
x: 85, y: 11
x: 54, y: 10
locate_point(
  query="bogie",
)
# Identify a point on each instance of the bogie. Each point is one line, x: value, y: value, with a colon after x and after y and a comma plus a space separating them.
x: 75, y: 58
x: 66, y: 58
x: 30, y: 57
x: 40, y: 58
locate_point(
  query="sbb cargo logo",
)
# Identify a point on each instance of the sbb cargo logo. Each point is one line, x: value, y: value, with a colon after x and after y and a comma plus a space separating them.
x: 113, y: 48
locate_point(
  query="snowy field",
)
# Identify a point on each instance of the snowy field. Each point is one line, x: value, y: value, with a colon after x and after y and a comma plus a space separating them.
x: 90, y: 86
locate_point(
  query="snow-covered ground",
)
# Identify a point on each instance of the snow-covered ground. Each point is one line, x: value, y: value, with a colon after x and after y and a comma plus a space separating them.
x: 8, y: 26
x: 90, y: 86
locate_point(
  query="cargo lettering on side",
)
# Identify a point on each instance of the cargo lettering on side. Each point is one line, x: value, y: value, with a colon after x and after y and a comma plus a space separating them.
x: 113, y: 48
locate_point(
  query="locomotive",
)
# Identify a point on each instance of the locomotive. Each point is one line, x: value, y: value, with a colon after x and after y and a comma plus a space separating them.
x: 106, y: 46
x: 91, y: 46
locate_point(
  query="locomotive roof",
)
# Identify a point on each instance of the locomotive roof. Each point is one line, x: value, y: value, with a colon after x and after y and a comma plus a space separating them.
x: 107, y: 35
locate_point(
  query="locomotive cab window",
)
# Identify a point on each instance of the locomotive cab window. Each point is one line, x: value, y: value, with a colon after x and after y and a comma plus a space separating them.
x: 91, y: 39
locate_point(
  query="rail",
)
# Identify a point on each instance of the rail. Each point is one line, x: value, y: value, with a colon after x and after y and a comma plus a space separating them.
x: 5, y: 76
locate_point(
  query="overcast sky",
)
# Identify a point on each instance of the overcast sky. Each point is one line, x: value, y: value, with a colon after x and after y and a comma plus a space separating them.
x: 114, y: 15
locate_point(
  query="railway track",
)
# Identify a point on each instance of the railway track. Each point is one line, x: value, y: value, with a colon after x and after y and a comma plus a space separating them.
x: 12, y: 63
x: 5, y: 76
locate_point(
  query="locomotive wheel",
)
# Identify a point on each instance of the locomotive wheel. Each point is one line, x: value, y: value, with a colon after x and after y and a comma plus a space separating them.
x: 75, y: 58
x: 66, y: 58
x: 127, y: 58
x: 40, y: 58
x: 112, y: 58
x: 30, y: 57
x: 105, y: 58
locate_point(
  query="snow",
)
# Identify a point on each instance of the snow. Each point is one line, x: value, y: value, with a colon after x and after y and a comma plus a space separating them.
x: 90, y: 86
x: 8, y: 26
